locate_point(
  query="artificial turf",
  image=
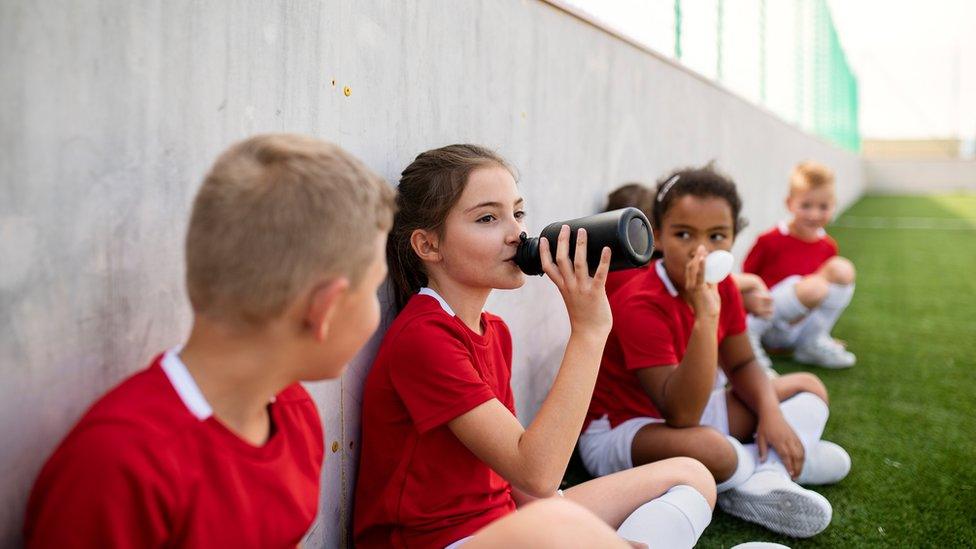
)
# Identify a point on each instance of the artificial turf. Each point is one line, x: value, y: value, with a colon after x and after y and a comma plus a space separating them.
x: 907, y: 412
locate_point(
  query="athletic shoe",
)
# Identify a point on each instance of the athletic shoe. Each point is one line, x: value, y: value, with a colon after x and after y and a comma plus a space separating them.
x: 824, y: 351
x: 825, y: 463
x: 772, y: 500
x: 760, y: 545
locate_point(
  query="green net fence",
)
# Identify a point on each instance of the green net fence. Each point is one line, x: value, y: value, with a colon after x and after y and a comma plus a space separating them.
x: 782, y: 54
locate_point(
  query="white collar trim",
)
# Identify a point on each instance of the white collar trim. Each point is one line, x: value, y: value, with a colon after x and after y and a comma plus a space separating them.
x: 183, y: 383
x: 784, y: 229
x: 447, y: 308
x: 662, y: 273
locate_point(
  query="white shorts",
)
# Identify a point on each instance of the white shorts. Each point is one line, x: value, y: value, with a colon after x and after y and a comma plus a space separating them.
x: 607, y: 450
x: 783, y: 335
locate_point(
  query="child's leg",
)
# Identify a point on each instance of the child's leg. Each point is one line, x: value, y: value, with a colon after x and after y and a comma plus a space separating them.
x: 550, y: 523
x: 668, y: 502
x: 839, y: 274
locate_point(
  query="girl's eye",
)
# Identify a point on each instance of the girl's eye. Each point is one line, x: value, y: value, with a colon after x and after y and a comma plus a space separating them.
x: 682, y: 234
x: 718, y: 237
x: 486, y: 219
x: 519, y: 214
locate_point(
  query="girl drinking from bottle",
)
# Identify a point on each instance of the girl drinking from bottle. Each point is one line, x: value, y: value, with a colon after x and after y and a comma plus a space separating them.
x: 676, y: 341
x: 443, y: 454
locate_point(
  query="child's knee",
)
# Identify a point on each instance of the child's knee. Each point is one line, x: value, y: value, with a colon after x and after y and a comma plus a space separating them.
x: 713, y: 452
x: 691, y: 472
x: 812, y: 290
x: 839, y: 270
x: 801, y: 382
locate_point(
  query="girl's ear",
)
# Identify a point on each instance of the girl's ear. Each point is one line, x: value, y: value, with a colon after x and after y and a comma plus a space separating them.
x: 426, y: 245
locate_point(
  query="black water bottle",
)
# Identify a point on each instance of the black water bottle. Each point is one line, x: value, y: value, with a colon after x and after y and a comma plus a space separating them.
x: 626, y: 232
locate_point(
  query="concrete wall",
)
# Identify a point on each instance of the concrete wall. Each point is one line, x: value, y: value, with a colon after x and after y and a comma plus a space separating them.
x: 111, y: 111
x: 920, y: 176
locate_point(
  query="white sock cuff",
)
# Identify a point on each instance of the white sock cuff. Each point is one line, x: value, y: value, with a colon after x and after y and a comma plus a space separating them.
x: 676, y: 519
x: 787, y: 306
x: 743, y: 470
x: 838, y: 296
x: 692, y: 504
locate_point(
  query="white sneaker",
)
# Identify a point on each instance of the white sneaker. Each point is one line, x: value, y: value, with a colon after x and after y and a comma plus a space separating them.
x: 760, y: 545
x: 772, y: 500
x: 824, y: 351
x: 826, y: 463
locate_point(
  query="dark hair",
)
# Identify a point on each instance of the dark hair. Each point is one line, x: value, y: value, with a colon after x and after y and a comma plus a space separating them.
x: 702, y: 182
x: 429, y: 187
x: 635, y: 195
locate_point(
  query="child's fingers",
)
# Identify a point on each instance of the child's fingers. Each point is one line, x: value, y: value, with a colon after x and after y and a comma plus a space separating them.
x: 547, y: 265
x: 580, y: 267
x: 562, y: 257
x: 691, y: 273
x: 763, y: 449
x: 600, y: 276
x: 700, y: 259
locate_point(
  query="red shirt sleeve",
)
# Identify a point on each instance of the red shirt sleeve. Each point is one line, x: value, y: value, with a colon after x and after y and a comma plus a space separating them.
x: 754, y: 259
x: 434, y: 373
x: 102, y: 489
x: 645, y: 332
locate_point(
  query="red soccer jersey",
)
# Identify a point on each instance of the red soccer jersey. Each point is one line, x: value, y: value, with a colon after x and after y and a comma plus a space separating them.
x: 418, y: 485
x: 617, y: 279
x: 777, y: 254
x: 150, y: 466
x: 651, y: 327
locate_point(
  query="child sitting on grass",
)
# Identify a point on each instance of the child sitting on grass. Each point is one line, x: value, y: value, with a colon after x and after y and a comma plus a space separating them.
x: 810, y: 284
x: 676, y: 340
x: 443, y: 453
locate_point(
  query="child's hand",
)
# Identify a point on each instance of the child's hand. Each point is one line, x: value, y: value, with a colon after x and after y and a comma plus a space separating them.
x: 703, y: 296
x: 774, y: 431
x: 585, y: 296
x: 758, y: 302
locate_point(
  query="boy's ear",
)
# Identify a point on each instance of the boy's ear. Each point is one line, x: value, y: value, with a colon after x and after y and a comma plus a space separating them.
x: 322, y: 306
x: 425, y: 245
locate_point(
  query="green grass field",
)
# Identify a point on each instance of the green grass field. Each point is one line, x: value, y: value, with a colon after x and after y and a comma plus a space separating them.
x: 907, y: 411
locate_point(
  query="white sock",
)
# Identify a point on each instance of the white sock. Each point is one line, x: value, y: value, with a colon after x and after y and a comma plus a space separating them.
x: 743, y: 470
x: 788, y: 307
x: 807, y: 415
x: 758, y: 325
x: 676, y: 519
x: 823, y: 318
x: 772, y: 463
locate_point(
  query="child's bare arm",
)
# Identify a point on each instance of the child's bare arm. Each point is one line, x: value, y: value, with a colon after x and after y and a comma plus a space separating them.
x: 755, y: 295
x: 753, y: 387
x: 534, y: 459
x: 680, y: 392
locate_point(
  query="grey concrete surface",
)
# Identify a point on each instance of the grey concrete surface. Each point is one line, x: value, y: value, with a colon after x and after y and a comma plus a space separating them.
x: 111, y: 111
x: 920, y: 176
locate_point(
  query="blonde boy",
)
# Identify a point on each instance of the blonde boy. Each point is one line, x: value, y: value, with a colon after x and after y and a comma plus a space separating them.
x: 216, y: 444
x: 810, y: 284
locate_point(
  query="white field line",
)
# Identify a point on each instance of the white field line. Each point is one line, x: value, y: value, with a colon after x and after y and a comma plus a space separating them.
x: 916, y: 223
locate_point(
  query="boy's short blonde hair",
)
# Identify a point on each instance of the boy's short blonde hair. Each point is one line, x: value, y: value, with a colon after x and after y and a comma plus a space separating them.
x: 810, y: 175
x: 275, y: 211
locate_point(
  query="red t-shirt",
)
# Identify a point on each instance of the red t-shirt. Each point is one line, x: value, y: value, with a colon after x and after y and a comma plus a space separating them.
x: 651, y: 327
x: 777, y: 254
x: 617, y: 279
x: 419, y: 486
x: 141, y: 469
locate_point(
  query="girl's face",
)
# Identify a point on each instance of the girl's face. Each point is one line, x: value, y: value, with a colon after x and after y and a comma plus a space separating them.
x: 812, y: 209
x: 482, y: 230
x: 690, y: 222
